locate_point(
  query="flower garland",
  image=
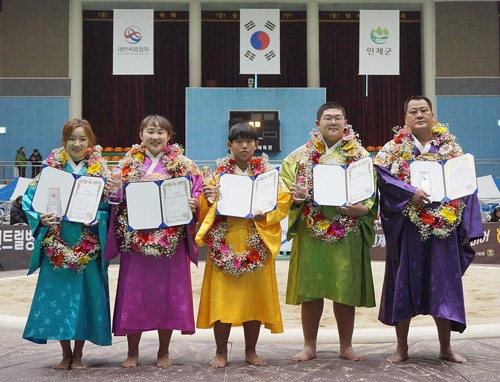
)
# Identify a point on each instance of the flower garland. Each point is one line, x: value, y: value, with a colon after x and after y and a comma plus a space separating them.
x: 75, y: 257
x: 159, y: 242
x: 175, y: 164
x: 337, y: 227
x: 222, y: 254
x: 435, y: 219
x: 96, y: 164
x: 402, y: 152
x: 256, y: 165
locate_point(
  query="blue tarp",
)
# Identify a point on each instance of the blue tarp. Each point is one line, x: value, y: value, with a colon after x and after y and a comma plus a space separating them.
x: 6, y: 191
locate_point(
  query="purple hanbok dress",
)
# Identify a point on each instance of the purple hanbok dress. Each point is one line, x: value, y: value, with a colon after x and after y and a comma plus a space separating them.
x: 423, y: 277
x: 155, y: 293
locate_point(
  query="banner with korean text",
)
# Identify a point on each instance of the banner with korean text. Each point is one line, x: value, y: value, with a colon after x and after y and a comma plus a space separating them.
x: 260, y: 41
x: 133, y: 37
x: 379, y: 42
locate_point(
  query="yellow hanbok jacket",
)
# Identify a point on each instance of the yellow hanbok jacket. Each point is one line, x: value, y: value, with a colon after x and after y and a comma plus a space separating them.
x: 251, y: 296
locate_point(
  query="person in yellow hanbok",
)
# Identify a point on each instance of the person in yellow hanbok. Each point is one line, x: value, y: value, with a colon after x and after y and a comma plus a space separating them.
x: 239, y: 284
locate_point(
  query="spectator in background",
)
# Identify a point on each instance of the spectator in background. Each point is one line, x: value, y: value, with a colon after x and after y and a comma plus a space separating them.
x: 495, y: 215
x: 17, y: 214
x: 36, y: 163
x: 21, y: 161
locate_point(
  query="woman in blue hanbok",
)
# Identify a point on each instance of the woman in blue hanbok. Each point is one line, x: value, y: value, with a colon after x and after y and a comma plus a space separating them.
x: 71, y: 300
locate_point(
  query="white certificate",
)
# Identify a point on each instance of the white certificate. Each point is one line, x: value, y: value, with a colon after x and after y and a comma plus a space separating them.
x: 80, y: 195
x: 175, y: 194
x: 460, y: 176
x: 265, y: 192
x: 450, y: 180
x: 360, y: 184
x: 242, y: 195
x: 158, y: 204
x: 85, y: 199
x: 338, y: 185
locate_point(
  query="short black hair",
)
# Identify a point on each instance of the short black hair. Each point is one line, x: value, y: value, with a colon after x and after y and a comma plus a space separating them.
x: 417, y: 98
x: 329, y: 105
x: 242, y: 130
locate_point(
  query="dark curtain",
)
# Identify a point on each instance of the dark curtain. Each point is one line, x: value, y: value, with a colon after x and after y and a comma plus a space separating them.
x: 115, y: 105
x: 221, y: 55
x: 374, y: 116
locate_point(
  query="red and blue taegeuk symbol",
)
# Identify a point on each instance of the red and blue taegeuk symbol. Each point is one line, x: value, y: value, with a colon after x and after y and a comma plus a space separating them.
x: 133, y: 34
x: 260, y: 40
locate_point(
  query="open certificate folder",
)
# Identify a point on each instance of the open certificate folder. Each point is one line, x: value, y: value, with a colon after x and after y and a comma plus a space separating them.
x: 158, y: 204
x: 79, y: 195
x: 338, y: 185
x: 243, y: 195
x: 445, y: 181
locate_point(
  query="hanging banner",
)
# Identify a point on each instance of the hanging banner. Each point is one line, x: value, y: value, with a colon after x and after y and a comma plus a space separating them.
x: 133, y: 38
x: 379, y: 42
x: 260, y: 41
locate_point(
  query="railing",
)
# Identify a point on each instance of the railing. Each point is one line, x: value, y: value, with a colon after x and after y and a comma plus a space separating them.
x: 8, y: 169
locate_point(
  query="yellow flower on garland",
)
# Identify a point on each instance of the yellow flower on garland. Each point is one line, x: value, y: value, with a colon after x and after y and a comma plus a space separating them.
x: 95, y: 168
x: 83, y: 260
x: 349, y: 145
x: 64, y: 156
x: 323, y: 224
x: 448, y: 215
x: 173, y: 164
x: 439, y: 130
x: 406, y: 156
x: 139, y: 157
x: 320, y: 147
x: 309, y: 222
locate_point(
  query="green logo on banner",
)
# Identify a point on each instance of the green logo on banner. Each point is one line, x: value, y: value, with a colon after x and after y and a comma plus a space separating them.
x: 379, y: 35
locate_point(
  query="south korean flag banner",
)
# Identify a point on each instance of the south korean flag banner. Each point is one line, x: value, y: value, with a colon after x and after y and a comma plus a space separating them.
x: 260, y: 41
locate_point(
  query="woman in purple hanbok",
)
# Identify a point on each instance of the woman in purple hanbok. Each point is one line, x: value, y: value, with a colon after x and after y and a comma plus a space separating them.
x: 154, y: 286
x: 428, y: 248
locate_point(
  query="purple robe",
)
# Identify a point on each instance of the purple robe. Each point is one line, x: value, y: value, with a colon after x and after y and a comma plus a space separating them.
x: 155, y: 293
x: 423, y: 277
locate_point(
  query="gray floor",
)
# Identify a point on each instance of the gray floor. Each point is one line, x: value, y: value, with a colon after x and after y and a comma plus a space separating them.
x: 21, y: 360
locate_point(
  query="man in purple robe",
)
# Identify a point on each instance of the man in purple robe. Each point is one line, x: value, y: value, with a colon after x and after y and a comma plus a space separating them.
x: 428, y: 243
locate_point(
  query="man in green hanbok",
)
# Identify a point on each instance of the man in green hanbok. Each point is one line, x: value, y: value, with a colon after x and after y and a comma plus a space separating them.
x: 330, y: 255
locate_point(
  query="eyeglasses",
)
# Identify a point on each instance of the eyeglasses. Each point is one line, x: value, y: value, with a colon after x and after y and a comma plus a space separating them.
x: 329, y: 118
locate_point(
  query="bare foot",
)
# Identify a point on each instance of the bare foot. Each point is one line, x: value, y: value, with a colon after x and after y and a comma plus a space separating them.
x: 76, y: 363
x: 64, y: 364
x: 253, y: 359
x: 163, y: 361
x: 351, y: 355
x: 305, y: 354
x: 398, y: 357
x: 131, y: 361
x: 219, y: 361
x: 452, y: 357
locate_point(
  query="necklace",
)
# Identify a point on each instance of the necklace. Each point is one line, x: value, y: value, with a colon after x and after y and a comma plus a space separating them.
x: 222, y: 254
